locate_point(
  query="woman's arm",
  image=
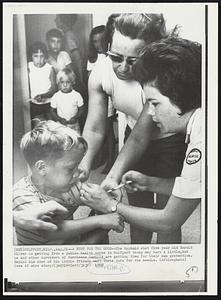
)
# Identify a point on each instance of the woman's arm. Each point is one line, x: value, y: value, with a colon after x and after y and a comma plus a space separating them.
x: 134, y: 147
x: 141, y: 182
x: 95, y: 126
x: 173, y: 216
x: 77, y: 116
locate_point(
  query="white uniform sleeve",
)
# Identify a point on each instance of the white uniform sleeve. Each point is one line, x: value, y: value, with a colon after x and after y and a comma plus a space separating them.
x: 188, y: 185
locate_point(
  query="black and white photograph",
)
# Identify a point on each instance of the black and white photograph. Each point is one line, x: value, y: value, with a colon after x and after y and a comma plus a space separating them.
x: 114, y: 178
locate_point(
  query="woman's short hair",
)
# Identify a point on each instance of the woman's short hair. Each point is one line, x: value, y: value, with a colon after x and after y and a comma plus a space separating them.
x: 68, y: 72
x: 92, y: 52
x: 48, y: 140
x: 54, y: 32
x: 173, y: 66
x: 147, y: 27
x: 35, y: 47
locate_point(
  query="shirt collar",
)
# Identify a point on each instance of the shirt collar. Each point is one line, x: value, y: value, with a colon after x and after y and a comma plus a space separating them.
x: 190, y: 125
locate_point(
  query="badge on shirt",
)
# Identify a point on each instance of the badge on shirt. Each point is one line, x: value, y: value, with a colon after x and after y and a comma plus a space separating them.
x: 193, y: 157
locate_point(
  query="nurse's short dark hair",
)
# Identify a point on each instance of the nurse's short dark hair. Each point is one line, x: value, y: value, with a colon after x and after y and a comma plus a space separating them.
x: 173, y: 66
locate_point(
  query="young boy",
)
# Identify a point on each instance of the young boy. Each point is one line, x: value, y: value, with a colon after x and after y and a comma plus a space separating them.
x: 53, y: 153
x: 57, y: 58
x: 67, y: 105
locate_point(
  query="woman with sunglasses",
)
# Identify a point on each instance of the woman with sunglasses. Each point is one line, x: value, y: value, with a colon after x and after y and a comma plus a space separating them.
x: 147, y: 150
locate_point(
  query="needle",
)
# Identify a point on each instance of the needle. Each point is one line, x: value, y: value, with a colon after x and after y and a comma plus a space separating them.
x: 119, y: 186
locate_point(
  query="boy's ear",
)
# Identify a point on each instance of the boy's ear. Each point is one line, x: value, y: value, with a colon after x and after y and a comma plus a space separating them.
x: 41, y: 167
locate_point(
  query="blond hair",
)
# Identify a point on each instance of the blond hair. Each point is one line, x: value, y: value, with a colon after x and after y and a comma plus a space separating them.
x: 69, y: 73
x: 48, y: 140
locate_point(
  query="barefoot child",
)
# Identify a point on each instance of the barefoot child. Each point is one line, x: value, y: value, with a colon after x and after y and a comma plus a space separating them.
x: 53, y: 153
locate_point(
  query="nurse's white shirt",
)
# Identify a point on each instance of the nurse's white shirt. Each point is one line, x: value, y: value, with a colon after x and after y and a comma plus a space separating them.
x: 188, y: 184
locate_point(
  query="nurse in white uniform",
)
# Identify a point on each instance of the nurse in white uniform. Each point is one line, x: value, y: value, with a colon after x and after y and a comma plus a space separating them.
x: 172, y: 86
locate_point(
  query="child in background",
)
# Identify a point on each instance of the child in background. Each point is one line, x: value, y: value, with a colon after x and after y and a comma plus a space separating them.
x: 41, y: 81
x: 53, y: 153
x: 97, y: 47
x: 66, y: 23
x: 67, y: 105
x: 57, y: 58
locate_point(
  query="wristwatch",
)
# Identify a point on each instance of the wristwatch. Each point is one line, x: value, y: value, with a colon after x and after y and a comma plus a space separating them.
x: 114, y: 206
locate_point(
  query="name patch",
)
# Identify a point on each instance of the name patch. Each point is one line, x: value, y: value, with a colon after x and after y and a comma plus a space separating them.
x: 193, y: 157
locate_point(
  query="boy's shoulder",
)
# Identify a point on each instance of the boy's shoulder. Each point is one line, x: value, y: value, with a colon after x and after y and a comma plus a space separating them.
x: 24, y: 193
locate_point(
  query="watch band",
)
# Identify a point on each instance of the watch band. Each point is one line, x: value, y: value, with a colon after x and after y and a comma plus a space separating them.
x: 114, y: 207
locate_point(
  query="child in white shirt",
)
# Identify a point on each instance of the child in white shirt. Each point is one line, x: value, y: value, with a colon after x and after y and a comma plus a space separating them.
x: 41, y: 81
x: 67, y: 105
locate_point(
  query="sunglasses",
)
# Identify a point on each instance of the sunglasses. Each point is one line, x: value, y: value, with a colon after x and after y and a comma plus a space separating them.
x: 120, y: 58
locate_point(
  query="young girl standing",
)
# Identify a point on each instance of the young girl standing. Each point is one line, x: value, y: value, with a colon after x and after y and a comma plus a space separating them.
x: 41, y: 82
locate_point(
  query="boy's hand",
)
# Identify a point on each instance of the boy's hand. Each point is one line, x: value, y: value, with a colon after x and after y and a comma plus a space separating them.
x: 38, y: 217
x: 139, y: 181
x: 84, y: 172
x: 112, y: 221
x: 38, y: 98
x: 110, y: 183
x: 96, y: 197
x: 63, y: 121
x: 72, y: 120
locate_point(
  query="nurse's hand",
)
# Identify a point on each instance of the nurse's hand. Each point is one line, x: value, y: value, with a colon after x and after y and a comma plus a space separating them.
x: 139, y: 181
x: 96, y: 197
x: 110, y: 183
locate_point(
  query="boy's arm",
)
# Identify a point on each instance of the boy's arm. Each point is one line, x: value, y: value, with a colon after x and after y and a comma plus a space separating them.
x: 55, y: 117
x: 68, y: 229
x: 77, y: 116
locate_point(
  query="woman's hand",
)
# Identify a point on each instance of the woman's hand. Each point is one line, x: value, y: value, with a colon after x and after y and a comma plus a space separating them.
x: 96, y: 197
x: 112, y: 221
x: 139, y: 181
x: 110, y: 183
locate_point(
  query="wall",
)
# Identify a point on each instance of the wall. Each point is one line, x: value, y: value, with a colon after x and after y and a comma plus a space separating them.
x: 20, y: 95
x: 37, y: 25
